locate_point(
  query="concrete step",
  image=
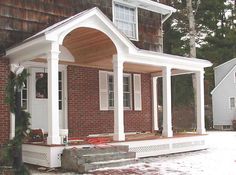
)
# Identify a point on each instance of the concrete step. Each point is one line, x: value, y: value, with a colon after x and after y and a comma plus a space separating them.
x: 94, y: 150
x: 112, y: 163
x: 107, y: 156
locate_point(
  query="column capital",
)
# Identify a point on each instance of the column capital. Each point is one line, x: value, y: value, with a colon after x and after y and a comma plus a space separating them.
x: 53, y: 51
x: 117, y: 59
x: 166, y: 68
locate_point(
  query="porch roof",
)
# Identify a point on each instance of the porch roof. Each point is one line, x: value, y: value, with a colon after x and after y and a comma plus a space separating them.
x: 38, y: 45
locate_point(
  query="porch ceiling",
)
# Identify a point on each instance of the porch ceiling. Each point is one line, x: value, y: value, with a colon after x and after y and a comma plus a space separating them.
x: 89, y: 45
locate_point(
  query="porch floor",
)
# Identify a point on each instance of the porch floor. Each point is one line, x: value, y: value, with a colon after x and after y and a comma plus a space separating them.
x: 108, y: 139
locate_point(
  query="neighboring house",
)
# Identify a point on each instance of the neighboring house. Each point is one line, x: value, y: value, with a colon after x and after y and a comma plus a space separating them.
x: 94, y: 72
x: 224, y: 95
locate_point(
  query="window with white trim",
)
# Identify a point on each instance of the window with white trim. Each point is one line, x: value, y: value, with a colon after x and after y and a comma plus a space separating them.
x: 24, y: 96
x: 126, y: 19
x: 232, y: 102
x: 126, y: 91
x: 60, y: 85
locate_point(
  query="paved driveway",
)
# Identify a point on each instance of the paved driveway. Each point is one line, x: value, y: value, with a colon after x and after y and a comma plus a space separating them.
x: 219, y: 159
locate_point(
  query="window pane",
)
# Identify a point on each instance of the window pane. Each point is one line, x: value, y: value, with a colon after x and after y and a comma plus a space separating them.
x: 24, y: 94
x: 60, y: 105
x: 24, y: 104
x: 59, y: 76
x: 60, y: 85
x: 111, y: 99
x: 126, y: 99
x: 232, y: 102
x: 41, y: 85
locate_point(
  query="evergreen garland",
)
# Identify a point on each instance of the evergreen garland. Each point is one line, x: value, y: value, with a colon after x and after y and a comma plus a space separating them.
x: 15, y: 84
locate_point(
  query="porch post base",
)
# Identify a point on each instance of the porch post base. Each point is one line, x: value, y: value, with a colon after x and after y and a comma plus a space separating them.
x: 53, y: 140
x: 201, y: 131
x: 167, y: 133
x: 119, y: 137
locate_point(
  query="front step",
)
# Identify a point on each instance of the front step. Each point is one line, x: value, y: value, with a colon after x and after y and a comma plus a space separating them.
x: 83, y: 160
x: 107, y: 156
x: 105, y: 164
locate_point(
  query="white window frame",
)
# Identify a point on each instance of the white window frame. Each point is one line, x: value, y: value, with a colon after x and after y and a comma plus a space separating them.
x: 130, y: 82
x: 25, y: 88
x: 231, y: 106
x: 136, y: 16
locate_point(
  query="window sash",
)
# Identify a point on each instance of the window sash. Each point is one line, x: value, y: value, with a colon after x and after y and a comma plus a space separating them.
x: 125, y: 18
x: 126, y: 91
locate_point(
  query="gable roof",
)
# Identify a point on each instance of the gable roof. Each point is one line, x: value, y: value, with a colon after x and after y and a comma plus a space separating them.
x: 225, y: 63
x: 219, y: 84
x: 94, y: 18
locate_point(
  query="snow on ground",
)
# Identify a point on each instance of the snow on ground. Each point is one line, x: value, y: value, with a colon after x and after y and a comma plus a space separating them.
x: 219, y: 159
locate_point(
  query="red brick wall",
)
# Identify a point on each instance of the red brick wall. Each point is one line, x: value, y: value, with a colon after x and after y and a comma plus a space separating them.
x: 84, y: 116
x: 4, y: 110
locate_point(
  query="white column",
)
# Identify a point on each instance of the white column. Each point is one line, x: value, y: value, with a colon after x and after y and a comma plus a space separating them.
x: 154, y: 104
x: 53, y: 111
x: 12, y: 125
x: 119, y: 134
x: 200, y: 102
x: 167, y: 116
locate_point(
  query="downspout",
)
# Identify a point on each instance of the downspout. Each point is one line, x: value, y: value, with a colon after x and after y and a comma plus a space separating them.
x: 166, y: 17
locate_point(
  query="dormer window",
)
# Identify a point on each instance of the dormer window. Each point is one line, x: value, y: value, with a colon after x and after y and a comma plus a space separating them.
x: 126, y: 19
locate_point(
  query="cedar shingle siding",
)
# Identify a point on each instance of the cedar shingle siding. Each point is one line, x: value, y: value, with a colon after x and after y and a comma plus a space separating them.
x: 20, y: 19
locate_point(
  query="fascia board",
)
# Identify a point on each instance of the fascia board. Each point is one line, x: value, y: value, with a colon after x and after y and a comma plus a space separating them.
x: 150, y: 6
x: 173, y: 58
x: 161, y: 62
x: 24, y: 45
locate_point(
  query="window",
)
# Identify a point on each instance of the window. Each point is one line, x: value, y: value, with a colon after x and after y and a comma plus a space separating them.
x: 60, y: 90
x: 126, y: 90
x: 42, y: 87
x: 24, y: 96
x: 125, y: 18
x: 232, y: 102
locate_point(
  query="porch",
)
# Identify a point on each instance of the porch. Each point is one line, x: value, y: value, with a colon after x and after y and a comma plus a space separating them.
x: 143, y: 144
x: 90, y: 41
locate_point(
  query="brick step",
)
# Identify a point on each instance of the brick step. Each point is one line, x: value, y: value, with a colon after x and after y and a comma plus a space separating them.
x: 112, y: 163
x: 107, y: 156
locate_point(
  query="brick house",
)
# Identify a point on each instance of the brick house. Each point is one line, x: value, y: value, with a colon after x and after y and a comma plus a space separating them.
x: 94, y: 71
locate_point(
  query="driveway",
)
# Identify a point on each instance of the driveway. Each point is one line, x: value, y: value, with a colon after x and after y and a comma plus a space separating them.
x: 219, y: 159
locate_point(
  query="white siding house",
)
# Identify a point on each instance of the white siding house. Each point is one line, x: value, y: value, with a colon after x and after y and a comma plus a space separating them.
x: 224, y: 95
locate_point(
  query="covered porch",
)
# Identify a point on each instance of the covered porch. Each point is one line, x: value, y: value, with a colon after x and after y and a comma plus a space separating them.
x: 90, y: 40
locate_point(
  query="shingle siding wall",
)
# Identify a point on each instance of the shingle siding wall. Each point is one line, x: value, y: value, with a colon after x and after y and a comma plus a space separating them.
x: 84, y: 115
x: 20, y: 19
x: 4, y: 110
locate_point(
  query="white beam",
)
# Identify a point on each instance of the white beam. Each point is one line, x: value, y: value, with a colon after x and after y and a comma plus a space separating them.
x: 167, y: 118
x: 119, y: 134
x: 200, y: 102
x: 155, y: 103
x: 53, y: 111
x: 174, y: 72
